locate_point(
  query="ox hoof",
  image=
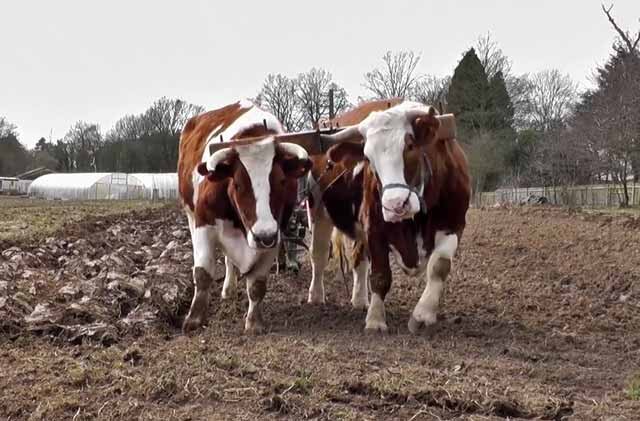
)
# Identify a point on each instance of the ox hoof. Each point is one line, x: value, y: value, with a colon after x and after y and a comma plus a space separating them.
x: 315, y: 299
x: 416, y: 325
x: 360, y: 304
x: 254, y: 325
x: 376, y: 327
x: 191, y: 324
x: 254, y: 328
x: 228, y: 293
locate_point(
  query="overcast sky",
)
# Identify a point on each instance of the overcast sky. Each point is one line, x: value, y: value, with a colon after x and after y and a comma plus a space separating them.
x: 70, y: 60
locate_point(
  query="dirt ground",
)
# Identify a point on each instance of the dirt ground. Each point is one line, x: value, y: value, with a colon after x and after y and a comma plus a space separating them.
x: 541, y: 320
x: 23, y: 218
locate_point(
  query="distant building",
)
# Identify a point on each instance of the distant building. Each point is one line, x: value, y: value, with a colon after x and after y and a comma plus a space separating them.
x: 8, y: 185
x: 35, y: 173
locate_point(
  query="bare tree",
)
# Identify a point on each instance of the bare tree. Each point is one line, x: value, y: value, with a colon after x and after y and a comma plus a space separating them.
x: 630, y: 43
x: 278, y: 95
x: 313, y: 96
x: 492, y: 57
x: 550, y: 96
x: 7, y: 128
x: 484, y: 163
x: 169, y: 116
x: 432, y: 90
x: 397, y: 78
x: 494, y: 60
x: 82, y: 142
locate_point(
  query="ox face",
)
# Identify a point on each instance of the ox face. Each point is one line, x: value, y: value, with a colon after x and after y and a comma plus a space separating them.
x: 262, y: 177
x: 393, y: 144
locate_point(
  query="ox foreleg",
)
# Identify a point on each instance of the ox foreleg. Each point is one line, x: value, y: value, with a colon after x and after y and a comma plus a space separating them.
x: 230, y: 279
x: 380, y: 284
x: 321, y: 227
x: 360, y: 292
x: 256, y: 290
x: 204, y: 257
x: 438, y: 268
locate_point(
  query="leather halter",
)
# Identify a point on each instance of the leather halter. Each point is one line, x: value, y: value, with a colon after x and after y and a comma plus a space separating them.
x: 425, y: 178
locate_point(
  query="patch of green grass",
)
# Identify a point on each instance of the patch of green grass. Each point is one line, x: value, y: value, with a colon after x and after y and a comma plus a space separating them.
x: 633, y: 390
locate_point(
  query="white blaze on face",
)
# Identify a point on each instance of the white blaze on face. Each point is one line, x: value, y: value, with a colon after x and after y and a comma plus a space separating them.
x: 385, y: 133
x: 257, y: 160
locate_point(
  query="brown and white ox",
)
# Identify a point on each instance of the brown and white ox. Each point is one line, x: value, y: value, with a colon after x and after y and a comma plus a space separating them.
x: 399, y: 184
x: 236, y: 200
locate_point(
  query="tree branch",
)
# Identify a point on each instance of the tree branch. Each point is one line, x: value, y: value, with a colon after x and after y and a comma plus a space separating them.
x: 625, y: 37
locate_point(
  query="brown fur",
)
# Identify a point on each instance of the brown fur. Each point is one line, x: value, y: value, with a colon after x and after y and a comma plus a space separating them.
x: 359, y: 113
x: 194, y: 139
x: 446, y: 195
x: 232, y: 198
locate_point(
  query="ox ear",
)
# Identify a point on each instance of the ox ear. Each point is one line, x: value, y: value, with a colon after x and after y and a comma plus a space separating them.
x: 223, y: 169
x: 425, y: 127
x: 347, y: 153
x: 294, y: 167
x: 294, y: 159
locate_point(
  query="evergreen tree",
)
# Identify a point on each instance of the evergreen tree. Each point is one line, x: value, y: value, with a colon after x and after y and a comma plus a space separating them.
x: 469, y: 95
x: 500, y: 106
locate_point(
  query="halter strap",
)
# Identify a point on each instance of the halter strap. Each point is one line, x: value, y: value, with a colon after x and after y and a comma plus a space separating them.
x: 425, y: 178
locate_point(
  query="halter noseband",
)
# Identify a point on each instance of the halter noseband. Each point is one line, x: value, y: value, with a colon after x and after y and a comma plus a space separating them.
x: 419, y: 190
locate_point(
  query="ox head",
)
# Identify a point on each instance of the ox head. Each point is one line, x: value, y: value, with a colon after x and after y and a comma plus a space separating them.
x: 262, y: 181
x: 393, y: 142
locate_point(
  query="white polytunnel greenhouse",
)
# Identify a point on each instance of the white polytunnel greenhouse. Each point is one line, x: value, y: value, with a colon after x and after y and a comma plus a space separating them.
x: 105, y: 186
x: 159, y: 185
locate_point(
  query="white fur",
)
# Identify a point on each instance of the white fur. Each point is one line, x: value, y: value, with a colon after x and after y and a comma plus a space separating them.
x: 230, y: 279
x: 235, y: 246
x: 196, y: 179
x: 426, y: 309
x: 376, y: 319
x: 360, y: 293
x: 257, y: 159
x: 385, y: 133
x: 320, y: 242
x: 445, y: 244
x: 204, y: 245
x: 191, y: 219
x: 358, y: 168
x: 251, y: 117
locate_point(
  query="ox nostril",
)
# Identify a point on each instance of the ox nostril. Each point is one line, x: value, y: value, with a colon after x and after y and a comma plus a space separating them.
x: 267, y: 240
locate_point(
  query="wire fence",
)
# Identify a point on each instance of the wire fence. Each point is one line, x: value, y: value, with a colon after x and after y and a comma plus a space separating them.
x: 591, y: 196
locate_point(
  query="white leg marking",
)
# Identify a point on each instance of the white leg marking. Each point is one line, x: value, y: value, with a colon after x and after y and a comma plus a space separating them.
x: 376, y: 319
x: 204, y: 258
x: 204, y: 247
x: 426, y: 309
x: 320, y: 243
x: 256, y: 289
x: 230, y: 279
x: 191, y: 219
x: 360, y: 293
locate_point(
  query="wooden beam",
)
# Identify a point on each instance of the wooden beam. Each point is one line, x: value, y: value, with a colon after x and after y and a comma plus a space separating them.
x: 310, y: 140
